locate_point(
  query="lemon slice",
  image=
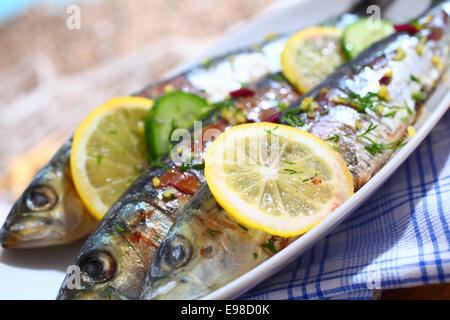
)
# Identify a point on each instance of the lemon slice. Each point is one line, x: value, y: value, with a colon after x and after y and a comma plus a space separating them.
x: 310, y: 55
x: 276, y: 178
x: 109, y: 152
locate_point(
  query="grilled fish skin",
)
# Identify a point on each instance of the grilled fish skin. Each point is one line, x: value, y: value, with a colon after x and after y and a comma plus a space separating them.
x: 191, y: 262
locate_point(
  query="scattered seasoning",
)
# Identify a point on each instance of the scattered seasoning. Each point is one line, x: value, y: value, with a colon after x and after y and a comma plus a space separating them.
x: 333, y: 137
x: 369, y: 129
x: 99, y: 159
x: 324, y: 112
x: 269, y: 245
x: 436, y: 61
x: 242, y: 92
x: 156, y: 182
x: 282, y: 105
x: 109, y: 296
x: 198, y: 166
x: 242, y: 227
x: 270, y: 36
x: 420, y: 49
x: 255, y: 255
x: 414, y: 78
x: 292, y: 171
x: 289, y: 162
x: 383, y: 93
x: 405, y: 119
x: 207, y: 62
x: 400, y: 54
x: 390, y: 114
x: 292, y: 120
x: 213, y: 232
x: 270, y: 131
x: 112, y: 131
x: 408, y: 109
x: 273, y: 118
x: 278, y: 77
x: 119, y: 228
x: 418, y: 96
x: 375, y: 147
x: 406, y: 28
x: 169, y: 193
x: 130, y: 180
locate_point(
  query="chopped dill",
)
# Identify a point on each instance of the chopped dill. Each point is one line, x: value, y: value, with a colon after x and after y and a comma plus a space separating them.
x: 269, y: 245
x: 119, y: 228
x: 333, y: 137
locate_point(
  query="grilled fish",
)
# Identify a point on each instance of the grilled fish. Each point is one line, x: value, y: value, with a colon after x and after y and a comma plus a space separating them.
x: 136, y: 220
x: 366, y: 105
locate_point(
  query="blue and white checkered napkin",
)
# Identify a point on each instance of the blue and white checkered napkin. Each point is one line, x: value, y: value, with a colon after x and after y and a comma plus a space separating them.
x: 399, y: 238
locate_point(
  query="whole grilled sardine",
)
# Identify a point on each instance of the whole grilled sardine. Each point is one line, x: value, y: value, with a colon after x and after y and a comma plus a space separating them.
x: 140, y: 218
x: 366, y: 105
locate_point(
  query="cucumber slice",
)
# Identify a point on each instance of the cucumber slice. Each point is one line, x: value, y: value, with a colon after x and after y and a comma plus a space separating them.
x: 174, y: 110
x: 361, y: 34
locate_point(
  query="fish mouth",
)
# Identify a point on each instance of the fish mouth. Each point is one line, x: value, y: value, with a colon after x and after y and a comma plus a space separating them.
x: 28, y: 233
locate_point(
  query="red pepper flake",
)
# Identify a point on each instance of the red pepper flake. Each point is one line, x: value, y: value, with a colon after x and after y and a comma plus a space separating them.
x: 242, y: 92
x: 316, y: 180
x: 275, y: 118
x: 385, y: 80
x: 406, y: 28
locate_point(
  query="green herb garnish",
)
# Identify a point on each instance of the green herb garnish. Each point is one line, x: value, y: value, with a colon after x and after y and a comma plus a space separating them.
x: 270, y: 245
x: 292, y: 120
x: 414, y: 78
x: 186, y: 166
x: 242, y: 227
x: 99, y: 159
x: 119, y: 228
x: 255, y: 255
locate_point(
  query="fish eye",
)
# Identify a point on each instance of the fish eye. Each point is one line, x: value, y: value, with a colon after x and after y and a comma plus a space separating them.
x: 41, y: 198
x: 176, y: 253
x: 99, y: 266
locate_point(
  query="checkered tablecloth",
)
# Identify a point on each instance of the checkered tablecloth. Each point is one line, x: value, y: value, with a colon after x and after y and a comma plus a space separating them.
x: 399, y: 238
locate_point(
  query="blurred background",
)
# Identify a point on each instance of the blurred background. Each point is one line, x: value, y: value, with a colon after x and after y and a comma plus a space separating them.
x: 52, y: 73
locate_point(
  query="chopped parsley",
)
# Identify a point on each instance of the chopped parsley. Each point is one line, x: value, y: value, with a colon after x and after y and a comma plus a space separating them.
x: 292, y: 120
x: 270, y: 131
x: 213, y: 232
x: 255, y: 255
x: 99, y: 159
x: 119, y: 228
x: 186, y: 166
x: 242, y: 227
x: 414, y: 78
x: 269, y: 245
x: 333, y: 137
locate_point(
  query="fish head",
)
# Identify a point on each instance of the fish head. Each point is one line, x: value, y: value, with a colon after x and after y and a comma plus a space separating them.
x: 113, y: 261
x: 49, y: 212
